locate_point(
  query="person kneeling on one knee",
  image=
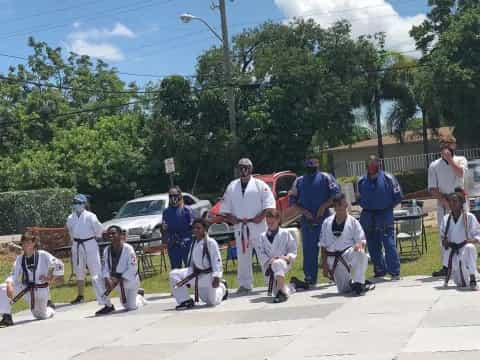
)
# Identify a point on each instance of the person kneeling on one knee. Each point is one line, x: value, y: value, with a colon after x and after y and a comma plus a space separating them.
x: 342, y: 243
x: 32, y: 274
x: 120, y: 271
x: 277, y: 250
x: 460, y: 232
x: 204, y: 272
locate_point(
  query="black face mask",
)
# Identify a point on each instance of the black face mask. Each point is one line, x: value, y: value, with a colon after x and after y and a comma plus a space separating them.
x: 174, y: 200
x: 311, y: 170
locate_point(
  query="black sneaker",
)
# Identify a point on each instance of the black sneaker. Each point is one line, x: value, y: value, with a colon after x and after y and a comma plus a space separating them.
x: 473, y: 283
x: 357, y: 288
x: 6, y: 321
x: 299, y: 284
x: 281, y: 297
x: 225, y: 297
x: 440, y: 273
x: 78, y: 300
x: 50, y: 304
x: 187, y: 304
x: 141, y: 292
x: 105, y: 310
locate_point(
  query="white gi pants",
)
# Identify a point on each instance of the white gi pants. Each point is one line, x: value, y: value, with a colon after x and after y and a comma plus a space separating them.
x: 279, y: 268
x: 88, y: 255
x: 41, y: 311
x: 358, y: 262
x: 134, y: 300
x: 441, y: 212
x: 208, y: 294
x: 244, y: 261
x: 468, y: 256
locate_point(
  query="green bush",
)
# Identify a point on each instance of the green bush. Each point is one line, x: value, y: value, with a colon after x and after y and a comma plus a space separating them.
x: 412, y: 181
x: 22, y: 209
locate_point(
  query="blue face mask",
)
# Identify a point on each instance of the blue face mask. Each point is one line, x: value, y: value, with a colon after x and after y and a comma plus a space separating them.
x: 78, y: 208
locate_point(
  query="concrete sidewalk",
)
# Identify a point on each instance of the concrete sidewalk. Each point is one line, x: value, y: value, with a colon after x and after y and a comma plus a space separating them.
x: 414, y: 318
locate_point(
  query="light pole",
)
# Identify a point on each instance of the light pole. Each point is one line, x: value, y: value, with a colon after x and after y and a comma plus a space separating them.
x: 227, y: 63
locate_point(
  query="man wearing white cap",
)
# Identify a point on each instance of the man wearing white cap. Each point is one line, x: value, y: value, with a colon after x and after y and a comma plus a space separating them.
x: 84, y: 228
x: 245, y: 204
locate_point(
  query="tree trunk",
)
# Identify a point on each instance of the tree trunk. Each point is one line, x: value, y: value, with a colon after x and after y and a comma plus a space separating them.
x: 378, y: 119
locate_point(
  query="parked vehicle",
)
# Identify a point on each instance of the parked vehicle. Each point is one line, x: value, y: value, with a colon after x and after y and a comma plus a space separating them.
x: 473, y: 184
x: 143, y: 216
x: 280, y: 183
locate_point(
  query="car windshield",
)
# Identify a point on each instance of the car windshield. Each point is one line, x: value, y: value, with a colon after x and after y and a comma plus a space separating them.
x: 141, y: 208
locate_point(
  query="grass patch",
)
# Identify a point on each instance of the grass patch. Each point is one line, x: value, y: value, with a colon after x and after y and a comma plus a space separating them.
x: 158, y: 283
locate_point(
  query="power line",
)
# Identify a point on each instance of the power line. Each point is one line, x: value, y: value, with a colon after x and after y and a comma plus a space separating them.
x: 139, y: 5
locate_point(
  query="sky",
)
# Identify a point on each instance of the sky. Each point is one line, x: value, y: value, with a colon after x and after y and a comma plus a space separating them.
x: 146, y: 39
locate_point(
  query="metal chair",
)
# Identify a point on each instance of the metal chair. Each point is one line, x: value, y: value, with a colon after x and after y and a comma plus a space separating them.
x: 409, y: 232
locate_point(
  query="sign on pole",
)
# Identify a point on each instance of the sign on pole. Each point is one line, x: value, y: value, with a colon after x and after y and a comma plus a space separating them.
x: 169, y: 165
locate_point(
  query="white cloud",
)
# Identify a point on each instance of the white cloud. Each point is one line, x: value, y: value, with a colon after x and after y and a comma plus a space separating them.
x: 366, y: 16
x: 103, y: 51
x: 96, y: 42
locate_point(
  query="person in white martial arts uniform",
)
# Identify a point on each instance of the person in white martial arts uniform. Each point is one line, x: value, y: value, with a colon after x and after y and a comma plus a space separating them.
x: 244, y: 204
x: 204, y: 272
x: 460, y: 233
x: 277, y: 250
x: 445, y: 175
x: 31, y: 276
x: 342, y: 243
x: 120, y: 272
x: 84, y: 228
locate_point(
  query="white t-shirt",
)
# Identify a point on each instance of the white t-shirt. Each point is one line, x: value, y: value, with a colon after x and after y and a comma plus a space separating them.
x: 352, y: 234
x: 442, y: 176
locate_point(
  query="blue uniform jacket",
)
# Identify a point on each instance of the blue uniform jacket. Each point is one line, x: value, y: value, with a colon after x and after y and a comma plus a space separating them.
x: 311, y: 191
x: 378, y: 197
x: 179, y: 223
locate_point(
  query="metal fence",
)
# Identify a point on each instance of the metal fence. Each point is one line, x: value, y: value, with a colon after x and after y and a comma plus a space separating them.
x: 408, y: 162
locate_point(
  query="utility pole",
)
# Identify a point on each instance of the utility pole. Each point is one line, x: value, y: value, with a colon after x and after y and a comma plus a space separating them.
x: 227, y: 62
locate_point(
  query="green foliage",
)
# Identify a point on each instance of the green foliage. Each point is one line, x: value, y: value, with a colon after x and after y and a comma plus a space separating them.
x: 412, y: 181
x: 46, y: 207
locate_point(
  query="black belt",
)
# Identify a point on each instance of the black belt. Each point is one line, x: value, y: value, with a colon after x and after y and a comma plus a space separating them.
x: 455, y: 250
x: 338, y: 255
x: 271, y: 279
x: 81, y: 242
x: 194, y: 275
x: 29, y: 288
x: 123, y: 295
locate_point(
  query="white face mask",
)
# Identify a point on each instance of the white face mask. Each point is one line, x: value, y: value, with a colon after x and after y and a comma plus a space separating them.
x: 78, y: 208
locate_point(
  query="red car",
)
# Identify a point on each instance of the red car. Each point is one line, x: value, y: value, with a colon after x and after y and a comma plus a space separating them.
x: 280, y: 183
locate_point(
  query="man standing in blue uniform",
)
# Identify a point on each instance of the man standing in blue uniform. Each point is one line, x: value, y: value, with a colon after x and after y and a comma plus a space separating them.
x: 379, y: 192
x: 311, y: 195
x: 177, y: 227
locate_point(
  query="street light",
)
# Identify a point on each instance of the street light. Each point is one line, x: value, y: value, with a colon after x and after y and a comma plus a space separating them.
x: 227, y: 64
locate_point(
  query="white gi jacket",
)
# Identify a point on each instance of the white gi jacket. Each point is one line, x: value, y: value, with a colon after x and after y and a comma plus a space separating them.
x: 45, y: 261
x: 257, y: 197
x: 127, y: 266
x: 198, y: 260
x: 84, y: 226
x: 352, y: 234
x: 457, y: 233
x: 284, y: 244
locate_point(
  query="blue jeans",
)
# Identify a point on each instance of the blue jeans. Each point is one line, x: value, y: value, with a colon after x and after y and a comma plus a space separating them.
x: 178, y: 254
x: 376, y: 238
x: 310, y: 239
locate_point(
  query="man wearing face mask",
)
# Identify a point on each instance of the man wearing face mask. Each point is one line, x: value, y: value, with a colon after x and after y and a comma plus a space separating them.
x: 84, y: 228
x: 379, y: 192
x: 445, y: 175
x: 245, y: 204
x: 311, y: 195
x: 177, y: 227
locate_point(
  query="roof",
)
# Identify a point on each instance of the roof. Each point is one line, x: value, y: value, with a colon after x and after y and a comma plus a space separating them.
x: 152, y: 197
x: 409, y: 137
x: 271, y: 177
